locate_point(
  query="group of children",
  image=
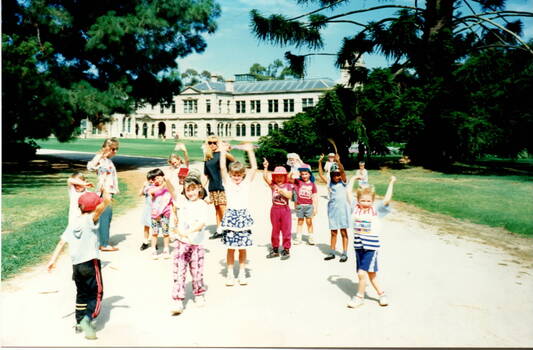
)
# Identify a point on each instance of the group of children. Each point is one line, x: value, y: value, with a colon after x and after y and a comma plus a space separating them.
x: 175, y: 210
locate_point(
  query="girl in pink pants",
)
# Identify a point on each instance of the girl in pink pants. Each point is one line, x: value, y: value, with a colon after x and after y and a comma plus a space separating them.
x: 280, y: 213
x: 188, y: 251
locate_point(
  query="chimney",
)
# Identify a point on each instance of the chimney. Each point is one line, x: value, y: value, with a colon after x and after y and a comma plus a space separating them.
x: 229, y: 85
x: 214, y: 78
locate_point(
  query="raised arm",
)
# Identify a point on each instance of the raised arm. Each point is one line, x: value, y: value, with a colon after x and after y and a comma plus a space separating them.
x: 223, y: 153
x: 248, y: 147
x: 180, y: 146
x: 267, y: 179
x: 320, y: 170
x: 52, y: 263
x: 100, y: 208
x: 388, y: 194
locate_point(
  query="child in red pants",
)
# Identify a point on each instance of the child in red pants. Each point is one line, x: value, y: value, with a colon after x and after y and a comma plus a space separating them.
x: 280, y: 213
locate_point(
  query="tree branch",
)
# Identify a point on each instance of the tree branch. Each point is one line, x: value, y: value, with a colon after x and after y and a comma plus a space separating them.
x: 372, y: 9
x: 317, y: 10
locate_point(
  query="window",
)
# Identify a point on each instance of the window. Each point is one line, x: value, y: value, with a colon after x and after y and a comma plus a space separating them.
x: 272, y: 126
x: 288, y: 105
x: 190, y: 106
x: 208, y: 126
x: 227, y: 106
x: 173, y: 129
x: 228, y: 129
x: 208, y: 106
x: 129, y: 125
x: 220, y: 129
x: 153, y: 130
x: 255, y: 106
x: 161, y: 109
x: 307, y: 103
x: 173, y: 107
x: 240, y: 106
x: 123, y: 124
x: 190, y: 130
x: 241, y: 129
x: 255, y: 129
x: 272, y: 106
x: 220, y: 107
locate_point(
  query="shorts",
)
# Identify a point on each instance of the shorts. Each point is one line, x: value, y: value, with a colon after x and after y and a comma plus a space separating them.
x: 160, y: 226
x: 366, y: 260
x: 304, y: 211
x: 217, y: 197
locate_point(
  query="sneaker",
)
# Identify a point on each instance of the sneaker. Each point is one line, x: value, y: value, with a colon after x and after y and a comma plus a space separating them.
x: 243, y: 280
x: 311, y: 240
x: 356, y: 301
x: 144, y: 246
x: 285, y: 254
x: 166, y: 254
x: 86, y: 328
x: 155, y: 256
x: 330, y: 257
x: 177, y: 307
x: 199, y: 300
x: 230, y: 280
x: 343, y: 258
x: 383, y: 301
x: 273, y: 254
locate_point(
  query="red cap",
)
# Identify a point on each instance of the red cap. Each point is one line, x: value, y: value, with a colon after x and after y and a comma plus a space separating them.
x: 183, y: 172
x: 89, y: 201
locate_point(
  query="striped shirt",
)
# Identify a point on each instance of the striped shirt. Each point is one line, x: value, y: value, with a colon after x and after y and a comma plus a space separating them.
x: 367, y: 226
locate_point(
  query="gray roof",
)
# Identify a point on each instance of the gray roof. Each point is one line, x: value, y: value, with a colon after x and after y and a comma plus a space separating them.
x: 250, y: 87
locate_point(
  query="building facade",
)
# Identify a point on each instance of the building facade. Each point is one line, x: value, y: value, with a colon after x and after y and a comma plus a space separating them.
x: 242, y: 110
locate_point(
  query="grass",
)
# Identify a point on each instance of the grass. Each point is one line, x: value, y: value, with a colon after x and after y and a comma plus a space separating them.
x: 497, y: 201
x: 134, y: 147
x: 35, y: 213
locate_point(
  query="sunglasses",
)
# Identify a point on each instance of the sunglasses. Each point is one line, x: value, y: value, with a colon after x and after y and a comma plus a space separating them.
x: 114, y: 149
x: 211, y: 142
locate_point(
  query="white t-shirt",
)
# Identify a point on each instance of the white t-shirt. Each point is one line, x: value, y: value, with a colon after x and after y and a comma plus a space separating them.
x: 238, y: 196
x: 74, y: 209
x: 191, y: 214
x: 82, y: 238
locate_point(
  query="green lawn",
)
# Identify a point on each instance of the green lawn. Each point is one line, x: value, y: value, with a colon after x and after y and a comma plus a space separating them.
x: 498, y: 201
x: 35, y: 213
x: 134, y: 147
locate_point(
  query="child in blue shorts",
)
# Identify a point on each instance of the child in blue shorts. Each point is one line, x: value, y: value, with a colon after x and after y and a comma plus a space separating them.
x: 367, y: 228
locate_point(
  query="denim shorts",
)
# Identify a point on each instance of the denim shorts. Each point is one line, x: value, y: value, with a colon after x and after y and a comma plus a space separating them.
x: 304, y: 211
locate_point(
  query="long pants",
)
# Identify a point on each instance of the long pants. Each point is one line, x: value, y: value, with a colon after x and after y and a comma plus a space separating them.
x: 280, y: 217
x: 89, y: 288
x: 191, y: 256
x: 105, y: 225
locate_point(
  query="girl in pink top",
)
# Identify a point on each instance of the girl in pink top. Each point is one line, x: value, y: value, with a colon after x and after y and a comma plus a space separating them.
x: 280, y: 213
x: 162, y: 206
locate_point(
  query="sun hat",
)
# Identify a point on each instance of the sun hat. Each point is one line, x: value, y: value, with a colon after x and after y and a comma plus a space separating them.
x: 89, y: 201
x: 307, y: 167
x: 331, y: 155
x: 279, y: 170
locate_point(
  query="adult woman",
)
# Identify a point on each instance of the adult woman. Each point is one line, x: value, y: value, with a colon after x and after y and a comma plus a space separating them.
x: 107, y: 178
x: 212, y: 170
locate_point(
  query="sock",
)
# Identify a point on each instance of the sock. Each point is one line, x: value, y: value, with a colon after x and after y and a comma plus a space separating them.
x: 344, y: 252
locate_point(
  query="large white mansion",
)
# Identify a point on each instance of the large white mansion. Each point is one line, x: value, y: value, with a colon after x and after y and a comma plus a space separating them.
x: 243, y: 109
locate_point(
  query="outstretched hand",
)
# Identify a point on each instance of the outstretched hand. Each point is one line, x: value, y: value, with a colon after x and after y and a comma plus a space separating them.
x: 392, y: 179
x: 321, y: 157
x: 265, y: 163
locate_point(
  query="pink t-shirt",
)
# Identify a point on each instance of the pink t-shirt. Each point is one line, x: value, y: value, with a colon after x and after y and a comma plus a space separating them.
x: 161, y: 203
x: 304, y: 191
x: 277, y: 198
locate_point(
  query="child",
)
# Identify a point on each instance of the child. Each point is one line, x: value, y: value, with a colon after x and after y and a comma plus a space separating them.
x: 330, y: 165
x: 162, y: 206
x: 366, y: 220
x: 188, y: 249
x: 280, y: 213
x: 362, y: 175
x: 146, y: 219
x: 294, y: 161
x: 237, y: 221
x: 338, y: 207
x: 82, y: 238
x: 306, y: 202
x: 77, y: 186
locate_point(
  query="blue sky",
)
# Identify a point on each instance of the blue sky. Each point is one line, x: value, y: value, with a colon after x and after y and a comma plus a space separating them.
x: 233, y: 48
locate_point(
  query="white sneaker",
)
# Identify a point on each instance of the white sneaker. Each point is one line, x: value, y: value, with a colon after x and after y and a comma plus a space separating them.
x: 166, y: 254
x: 155, y: 256
x: 356, y: 301
x: 230, y: 280
x: 311, y: 240
x: 383, y: 300
x: 243, y: 280
x: 199, y: 300
x: 177, y: 307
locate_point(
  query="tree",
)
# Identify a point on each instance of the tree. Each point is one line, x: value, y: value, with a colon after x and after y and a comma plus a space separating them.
x: 64, y: 61
x: 429, y: 41
x: 191, y: 77
x: 276, y: 70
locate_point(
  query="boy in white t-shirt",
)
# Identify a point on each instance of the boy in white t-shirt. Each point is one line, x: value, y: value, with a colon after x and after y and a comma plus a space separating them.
x: 82, y: 238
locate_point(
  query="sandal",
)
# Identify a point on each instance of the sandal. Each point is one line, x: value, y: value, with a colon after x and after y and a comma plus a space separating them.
x: 108, y: 249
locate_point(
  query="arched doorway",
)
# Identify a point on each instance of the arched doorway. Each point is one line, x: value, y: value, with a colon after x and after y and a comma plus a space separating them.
x: 145, y: 130
x: 161, y: 129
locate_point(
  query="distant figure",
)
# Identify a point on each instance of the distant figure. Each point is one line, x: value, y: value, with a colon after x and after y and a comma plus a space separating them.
x: 362, y: 175
x: 82, y: 237
x: 146, y: 219
x: 77, y: 186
